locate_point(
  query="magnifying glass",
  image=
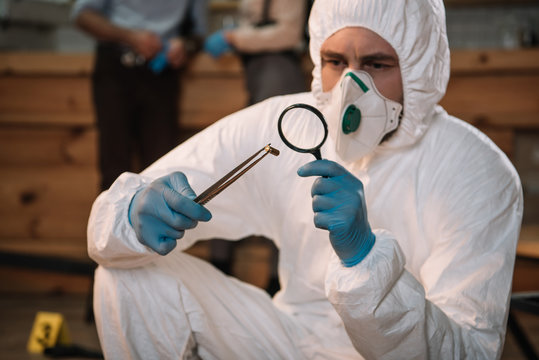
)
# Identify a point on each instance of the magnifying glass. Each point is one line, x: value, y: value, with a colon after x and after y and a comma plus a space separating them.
x: 303, y: 128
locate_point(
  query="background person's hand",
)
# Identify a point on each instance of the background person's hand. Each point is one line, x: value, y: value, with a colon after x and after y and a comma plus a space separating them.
x: 216, y: 44
x: 145, y: 43
x: 161, y: 212
x: 177, y: 53
x: 339, y: 207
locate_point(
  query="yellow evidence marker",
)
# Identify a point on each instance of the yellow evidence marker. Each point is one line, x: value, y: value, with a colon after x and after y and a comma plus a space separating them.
x: 49, y: 329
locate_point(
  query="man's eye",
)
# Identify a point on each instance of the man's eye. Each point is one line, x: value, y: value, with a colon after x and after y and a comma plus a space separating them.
x: 333, y: 62
x: 377, y: 65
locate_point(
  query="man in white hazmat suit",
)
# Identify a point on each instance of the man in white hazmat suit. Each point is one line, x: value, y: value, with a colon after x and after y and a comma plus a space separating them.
x: 415, y: 222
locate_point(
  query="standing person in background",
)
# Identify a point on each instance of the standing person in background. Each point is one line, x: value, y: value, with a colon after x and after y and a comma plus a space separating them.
x: 269, y: 40
x: 141, y: 48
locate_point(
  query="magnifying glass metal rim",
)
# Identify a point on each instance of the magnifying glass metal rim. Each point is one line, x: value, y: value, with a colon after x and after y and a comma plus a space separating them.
x: 314, y: 150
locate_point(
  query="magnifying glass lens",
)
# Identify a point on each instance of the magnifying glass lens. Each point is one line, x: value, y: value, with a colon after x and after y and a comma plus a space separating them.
x: 303, y: 128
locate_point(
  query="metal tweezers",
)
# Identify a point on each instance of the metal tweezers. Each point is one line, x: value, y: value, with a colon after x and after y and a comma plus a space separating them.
x: 233, y: 175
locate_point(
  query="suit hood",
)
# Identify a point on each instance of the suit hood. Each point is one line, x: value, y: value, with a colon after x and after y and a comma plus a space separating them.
x: 416, y: 29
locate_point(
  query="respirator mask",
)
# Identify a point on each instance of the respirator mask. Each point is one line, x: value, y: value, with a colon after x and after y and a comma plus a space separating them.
x: 358, y: 115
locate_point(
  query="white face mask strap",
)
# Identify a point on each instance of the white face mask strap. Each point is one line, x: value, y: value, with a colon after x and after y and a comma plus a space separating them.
x: 394, y: 110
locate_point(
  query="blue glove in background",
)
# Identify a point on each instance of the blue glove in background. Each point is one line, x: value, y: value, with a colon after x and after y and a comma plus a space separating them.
x: 161, y: 212
x: 160, y: 61
x: 339, y: 207
x: 216, y: 45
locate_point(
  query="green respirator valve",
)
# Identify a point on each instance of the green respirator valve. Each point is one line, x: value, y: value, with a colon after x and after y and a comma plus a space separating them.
x: 351, y: 119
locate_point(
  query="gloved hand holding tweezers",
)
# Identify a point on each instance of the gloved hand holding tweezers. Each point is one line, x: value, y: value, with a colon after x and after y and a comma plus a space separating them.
x: 161, y: 212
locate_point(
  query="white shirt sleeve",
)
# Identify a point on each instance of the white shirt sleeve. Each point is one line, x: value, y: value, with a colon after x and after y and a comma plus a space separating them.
x: 285, y: 34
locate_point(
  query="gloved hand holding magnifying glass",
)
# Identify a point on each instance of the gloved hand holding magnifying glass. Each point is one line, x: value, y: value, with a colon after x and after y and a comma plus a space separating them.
x: 339, y: 207
x: 338, y: 197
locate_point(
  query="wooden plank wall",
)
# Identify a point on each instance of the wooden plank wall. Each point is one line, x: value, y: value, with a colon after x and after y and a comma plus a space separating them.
x: 48, y: 157
x: 496, y: 91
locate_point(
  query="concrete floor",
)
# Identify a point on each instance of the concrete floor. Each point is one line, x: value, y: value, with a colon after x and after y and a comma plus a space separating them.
x: 17, y: 313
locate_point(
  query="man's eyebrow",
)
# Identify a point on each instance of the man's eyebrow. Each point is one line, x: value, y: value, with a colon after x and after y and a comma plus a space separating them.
x: 379, y: 57
x: 332, y: 54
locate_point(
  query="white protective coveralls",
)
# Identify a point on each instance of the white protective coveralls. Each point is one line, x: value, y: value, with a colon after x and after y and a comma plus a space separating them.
x: 444, y: 203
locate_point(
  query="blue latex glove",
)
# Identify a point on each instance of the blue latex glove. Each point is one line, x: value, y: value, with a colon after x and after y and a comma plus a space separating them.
x: 161, y: 212
x: 216, y: 44
x: 339, y: 207
x: 160, y: 61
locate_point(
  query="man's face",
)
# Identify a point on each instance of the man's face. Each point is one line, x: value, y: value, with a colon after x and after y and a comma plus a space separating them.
x: 358, y: 48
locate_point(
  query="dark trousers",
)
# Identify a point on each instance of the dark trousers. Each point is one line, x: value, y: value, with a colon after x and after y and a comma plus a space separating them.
x: 137, y: 113
x: 271, y: 74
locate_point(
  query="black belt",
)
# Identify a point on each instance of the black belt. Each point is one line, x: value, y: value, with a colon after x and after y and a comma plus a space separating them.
x: 125, y: 55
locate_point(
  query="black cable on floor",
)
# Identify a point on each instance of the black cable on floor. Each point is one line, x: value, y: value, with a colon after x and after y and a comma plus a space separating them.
x: 50, y: 263
x: 72, y: 351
